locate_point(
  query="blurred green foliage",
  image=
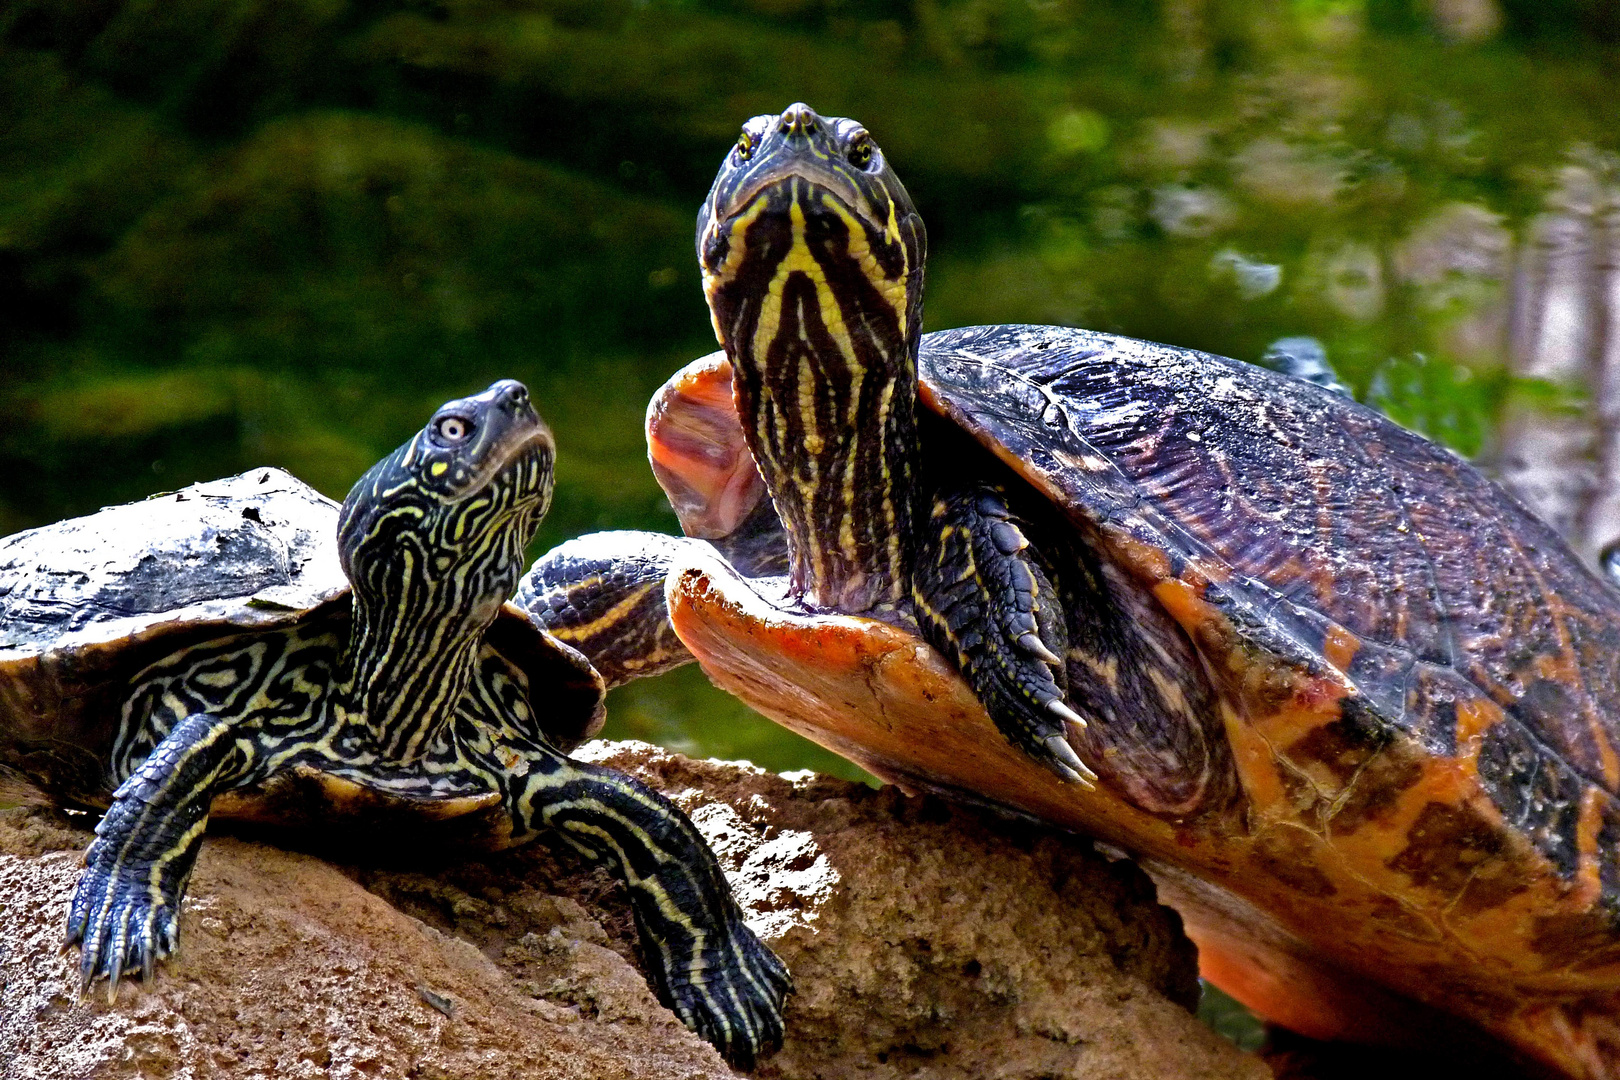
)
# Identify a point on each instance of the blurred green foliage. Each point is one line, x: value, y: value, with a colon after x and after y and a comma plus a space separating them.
x: 1230, y: 1018
x: 235, y: 232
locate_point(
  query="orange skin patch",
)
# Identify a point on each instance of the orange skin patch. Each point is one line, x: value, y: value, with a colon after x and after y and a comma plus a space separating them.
x: 698, y: 452
x: 887, y: 701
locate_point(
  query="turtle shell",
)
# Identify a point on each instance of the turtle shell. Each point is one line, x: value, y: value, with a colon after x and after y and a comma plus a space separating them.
x: 86, y: 604
x: 1416, y: 686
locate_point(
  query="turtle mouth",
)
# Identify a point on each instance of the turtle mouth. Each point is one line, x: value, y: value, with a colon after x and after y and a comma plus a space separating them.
x: 526, y: 450
x: 776, y: 184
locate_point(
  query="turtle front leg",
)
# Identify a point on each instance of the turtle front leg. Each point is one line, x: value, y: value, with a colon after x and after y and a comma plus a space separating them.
x: 707, y: 965
x: 126, y: 907
x: 982, y: 596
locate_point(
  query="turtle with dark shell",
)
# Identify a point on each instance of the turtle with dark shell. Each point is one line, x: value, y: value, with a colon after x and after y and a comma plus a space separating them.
x: 1352, y: 705
x: 246, y: 648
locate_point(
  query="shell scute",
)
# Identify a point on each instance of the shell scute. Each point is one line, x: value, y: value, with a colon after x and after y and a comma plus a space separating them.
x: 1326, y: 537
x: 200, y: 554
x: 1460, y: 853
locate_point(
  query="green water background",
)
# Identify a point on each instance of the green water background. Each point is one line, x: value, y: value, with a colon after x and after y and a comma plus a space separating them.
x: 243, y: 232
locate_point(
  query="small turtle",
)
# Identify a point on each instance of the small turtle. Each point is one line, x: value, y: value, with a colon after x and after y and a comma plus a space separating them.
x: 1353, y: 706
x: 246, y: 648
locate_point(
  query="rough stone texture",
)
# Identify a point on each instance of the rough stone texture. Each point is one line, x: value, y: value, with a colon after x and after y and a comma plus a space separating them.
x: 289, y: 968
x: 926, y: 941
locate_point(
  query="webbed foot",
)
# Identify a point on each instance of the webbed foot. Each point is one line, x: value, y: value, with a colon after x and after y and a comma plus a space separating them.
x: 126, y: 906
x: 982, y: 597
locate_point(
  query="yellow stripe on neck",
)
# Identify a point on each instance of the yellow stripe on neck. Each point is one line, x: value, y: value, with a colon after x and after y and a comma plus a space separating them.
x: 893, y: 290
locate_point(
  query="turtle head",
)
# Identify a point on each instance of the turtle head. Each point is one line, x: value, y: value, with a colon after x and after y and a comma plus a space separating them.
x: 455, y: 506
x: 827, y: 176
x: 432, y: 538
x: 812, y: 258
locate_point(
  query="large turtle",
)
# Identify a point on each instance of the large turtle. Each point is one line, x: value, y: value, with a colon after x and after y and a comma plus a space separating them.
x: 204, y: 652
x: 1352, y: 704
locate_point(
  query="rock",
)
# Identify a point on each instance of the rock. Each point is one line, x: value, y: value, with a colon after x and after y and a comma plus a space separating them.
x: 290, y: 968
x: 925, y: 939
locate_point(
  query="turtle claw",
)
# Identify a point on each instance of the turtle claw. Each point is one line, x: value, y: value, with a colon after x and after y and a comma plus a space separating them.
x: 1033, y: 644
x: 1064, y: 761
x: 1068, y: 764
x: 119, y: 929
x: 1063, y: 712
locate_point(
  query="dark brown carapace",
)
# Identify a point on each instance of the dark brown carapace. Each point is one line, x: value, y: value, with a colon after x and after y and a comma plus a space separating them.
x: 1415, y: 687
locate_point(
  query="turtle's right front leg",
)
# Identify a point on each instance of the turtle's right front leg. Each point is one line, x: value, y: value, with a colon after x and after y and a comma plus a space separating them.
x: 126, y: 907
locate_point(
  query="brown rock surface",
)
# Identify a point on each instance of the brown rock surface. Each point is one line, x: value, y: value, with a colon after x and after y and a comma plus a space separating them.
x: 926, y: 940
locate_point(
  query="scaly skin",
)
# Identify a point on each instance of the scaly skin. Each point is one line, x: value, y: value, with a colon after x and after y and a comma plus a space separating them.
x: 405, y: 698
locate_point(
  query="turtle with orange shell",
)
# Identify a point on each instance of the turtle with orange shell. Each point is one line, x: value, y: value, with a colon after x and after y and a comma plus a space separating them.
x: 1352, y: 705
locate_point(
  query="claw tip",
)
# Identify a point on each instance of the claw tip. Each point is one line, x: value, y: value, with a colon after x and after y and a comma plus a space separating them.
x: 1033, y: 644
x: 1057, y: 708
x: 1067, y: 763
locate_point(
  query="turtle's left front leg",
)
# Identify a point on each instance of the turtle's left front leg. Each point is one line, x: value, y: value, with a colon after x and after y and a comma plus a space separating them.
x: 983, y: 594
x: 126, y: 907
x: 707, y: 965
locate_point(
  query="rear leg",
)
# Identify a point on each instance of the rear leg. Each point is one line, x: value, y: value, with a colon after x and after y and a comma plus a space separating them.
x: 604, y: 595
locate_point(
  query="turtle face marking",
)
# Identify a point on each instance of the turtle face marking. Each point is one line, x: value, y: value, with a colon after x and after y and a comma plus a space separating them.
x: 432, y: 538
x: 812, y: 261
x: 453, y: 502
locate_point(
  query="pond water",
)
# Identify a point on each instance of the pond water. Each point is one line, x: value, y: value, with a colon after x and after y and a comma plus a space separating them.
x: 235, y: 234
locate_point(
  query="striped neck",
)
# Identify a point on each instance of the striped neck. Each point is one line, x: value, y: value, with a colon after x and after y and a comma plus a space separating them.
x: 432, y: 540
x: 405, y: 673
x: 423, y: 598
x: 819, y: 311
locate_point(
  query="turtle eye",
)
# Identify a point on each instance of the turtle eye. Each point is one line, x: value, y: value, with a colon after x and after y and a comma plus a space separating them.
x: 745, y: 146
x: 860, y: 150
x: 454, y: 429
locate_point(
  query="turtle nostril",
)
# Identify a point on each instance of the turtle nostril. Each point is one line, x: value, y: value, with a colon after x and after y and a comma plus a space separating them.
x: 798, y: 119
x: 513, y: 393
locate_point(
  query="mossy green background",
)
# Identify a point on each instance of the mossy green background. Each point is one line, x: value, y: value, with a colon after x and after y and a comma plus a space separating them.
x: 244, y: 232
